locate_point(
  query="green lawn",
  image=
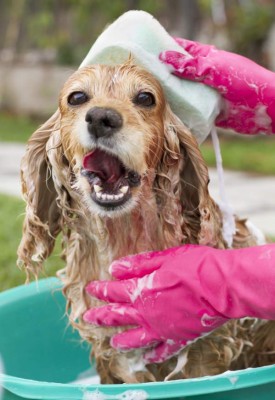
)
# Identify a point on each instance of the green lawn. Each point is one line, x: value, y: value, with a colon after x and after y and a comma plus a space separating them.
x: 243, y: 153
x: 16, y: 128
x: 11, y: 220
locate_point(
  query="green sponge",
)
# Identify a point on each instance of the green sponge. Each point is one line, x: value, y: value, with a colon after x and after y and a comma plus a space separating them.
x: 138, y: 33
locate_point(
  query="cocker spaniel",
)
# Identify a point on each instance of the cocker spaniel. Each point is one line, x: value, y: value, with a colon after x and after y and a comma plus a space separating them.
x: 117, y: 173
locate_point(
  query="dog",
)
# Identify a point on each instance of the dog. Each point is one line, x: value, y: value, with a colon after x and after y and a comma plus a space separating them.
x: 117, y: 173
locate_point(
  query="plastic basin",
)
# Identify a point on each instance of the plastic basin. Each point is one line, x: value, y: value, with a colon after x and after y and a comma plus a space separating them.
x: 42, y: 355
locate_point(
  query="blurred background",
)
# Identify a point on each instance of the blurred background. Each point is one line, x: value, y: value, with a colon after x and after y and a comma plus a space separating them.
x: 43, y: 41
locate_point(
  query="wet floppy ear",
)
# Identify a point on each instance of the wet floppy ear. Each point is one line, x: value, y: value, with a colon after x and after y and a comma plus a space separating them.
x: 41, y: 224
x: 204, y: 216
x: 167, y: 184
x: 201, y: 217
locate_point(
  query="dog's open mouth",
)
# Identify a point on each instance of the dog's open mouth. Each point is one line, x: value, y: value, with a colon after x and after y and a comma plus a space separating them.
x: 110, y: 180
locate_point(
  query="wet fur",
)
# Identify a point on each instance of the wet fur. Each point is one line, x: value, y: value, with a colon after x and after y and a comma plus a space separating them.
x: 171, y: 207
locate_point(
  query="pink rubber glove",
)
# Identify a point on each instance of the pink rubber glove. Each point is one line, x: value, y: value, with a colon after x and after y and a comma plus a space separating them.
x: 175, y: 296
x: 248, y: 89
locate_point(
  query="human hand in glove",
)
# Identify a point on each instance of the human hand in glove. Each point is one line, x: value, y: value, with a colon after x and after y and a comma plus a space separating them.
x: 247, y: 89
x: 175, y: 296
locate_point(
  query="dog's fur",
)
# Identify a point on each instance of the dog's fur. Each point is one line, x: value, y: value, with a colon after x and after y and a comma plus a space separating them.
x: 171, y: 206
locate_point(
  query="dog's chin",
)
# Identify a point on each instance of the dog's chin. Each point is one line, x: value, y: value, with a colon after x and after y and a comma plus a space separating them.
x: 113, y: 188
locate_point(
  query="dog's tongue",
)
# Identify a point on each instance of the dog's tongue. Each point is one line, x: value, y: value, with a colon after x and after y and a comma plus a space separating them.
x: 107, y: 167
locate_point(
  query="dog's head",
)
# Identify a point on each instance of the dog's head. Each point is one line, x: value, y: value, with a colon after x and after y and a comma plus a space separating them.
x: 112, y: 131
x: 113, y: 143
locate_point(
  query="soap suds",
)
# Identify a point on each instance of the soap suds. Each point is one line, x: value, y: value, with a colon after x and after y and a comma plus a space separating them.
x: 256, y: 232
x: 145, y: 282
x: 233, y: 379
x: 181, y: 362
x: 137, y: 363
x: 211, y: 321
x: 127, y: 395
x: 230, y: 375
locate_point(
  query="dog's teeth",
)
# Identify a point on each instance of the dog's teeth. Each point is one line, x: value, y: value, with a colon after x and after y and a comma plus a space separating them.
x: 124, y: 189
x: 97, y: 188
x: 105, y: 196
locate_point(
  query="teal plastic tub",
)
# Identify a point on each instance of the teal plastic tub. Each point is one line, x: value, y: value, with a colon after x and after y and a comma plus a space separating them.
x: 43, y: 357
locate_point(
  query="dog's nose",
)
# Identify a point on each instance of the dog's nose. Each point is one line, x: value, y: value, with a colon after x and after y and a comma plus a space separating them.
x: 103, y: 121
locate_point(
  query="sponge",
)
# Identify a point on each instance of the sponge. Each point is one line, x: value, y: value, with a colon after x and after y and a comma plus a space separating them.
x: 140, y: 34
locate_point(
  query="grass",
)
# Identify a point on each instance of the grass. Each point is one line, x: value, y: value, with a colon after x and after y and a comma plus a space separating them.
x: 15, y: 128
x: 11, y: 220
x: 251, y: 154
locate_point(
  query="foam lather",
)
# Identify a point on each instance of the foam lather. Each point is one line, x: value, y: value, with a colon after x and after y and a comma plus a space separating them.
x: 140, y: 34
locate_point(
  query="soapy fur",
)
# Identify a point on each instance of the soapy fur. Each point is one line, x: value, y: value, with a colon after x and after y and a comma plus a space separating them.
x: 171, y: 206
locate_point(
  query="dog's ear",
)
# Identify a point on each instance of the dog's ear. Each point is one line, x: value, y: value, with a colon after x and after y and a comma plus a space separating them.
x: 41, y: 224
x: 184, y: 175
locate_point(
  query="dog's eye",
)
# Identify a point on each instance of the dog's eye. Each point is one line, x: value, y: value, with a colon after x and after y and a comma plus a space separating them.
x: 145, y: 99
x: 77, y: 98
